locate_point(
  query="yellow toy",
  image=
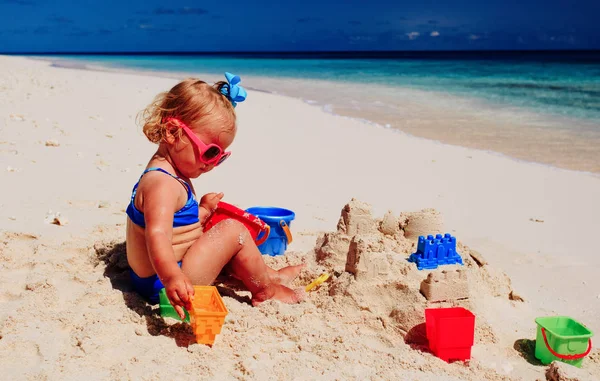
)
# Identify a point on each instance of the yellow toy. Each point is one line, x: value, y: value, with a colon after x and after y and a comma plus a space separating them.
x: 317, y: 281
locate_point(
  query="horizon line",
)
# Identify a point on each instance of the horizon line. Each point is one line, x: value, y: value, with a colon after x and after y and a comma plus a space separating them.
x: 300, y: 52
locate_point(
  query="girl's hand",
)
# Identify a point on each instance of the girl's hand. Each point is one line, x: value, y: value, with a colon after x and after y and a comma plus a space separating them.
x: 180, y: 292
x: 210, y: 200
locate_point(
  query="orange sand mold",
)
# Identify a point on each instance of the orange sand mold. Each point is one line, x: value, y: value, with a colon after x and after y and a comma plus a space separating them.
x: 208, y: 314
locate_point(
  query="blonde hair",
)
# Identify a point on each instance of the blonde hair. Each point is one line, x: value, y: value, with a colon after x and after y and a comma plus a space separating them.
x: 195, y: 103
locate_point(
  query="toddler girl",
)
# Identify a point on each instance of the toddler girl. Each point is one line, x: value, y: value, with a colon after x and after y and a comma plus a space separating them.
x: 193, y: 124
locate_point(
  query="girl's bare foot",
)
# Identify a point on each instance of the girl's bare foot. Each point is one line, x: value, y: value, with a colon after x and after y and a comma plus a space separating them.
x: 283, y: 276
x: 278, y: 292
x: 287, y: 274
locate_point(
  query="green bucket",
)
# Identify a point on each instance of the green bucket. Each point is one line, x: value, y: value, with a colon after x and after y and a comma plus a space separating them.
x: 562, y: 338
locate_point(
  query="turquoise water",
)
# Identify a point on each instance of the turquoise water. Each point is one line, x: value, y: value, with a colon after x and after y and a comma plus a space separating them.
x: 566, y: 84
x: 540, y: 107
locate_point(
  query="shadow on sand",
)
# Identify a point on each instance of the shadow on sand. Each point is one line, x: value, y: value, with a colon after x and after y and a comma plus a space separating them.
x: 526, y: 349
x: 114, y: 256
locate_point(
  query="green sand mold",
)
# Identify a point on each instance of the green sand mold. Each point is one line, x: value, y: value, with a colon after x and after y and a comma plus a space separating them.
x: 565, y: 336
x: 167, y: 310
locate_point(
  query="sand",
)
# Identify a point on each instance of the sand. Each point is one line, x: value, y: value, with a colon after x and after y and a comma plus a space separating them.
x: 70, y: 153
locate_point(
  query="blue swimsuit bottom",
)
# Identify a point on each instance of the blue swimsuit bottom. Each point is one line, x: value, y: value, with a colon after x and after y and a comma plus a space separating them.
x: 149, y: 287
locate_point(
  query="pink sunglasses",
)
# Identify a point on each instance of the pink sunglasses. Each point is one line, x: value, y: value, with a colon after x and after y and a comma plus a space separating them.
x: 208, y: 154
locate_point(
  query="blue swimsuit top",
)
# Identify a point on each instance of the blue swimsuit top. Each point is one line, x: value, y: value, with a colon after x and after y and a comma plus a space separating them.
x: 185, y: 216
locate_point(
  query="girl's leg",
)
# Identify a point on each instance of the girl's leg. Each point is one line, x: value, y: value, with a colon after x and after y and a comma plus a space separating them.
x: 230, y: 242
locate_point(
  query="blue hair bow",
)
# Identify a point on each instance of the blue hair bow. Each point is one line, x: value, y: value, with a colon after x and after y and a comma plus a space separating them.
x: 232, y: 91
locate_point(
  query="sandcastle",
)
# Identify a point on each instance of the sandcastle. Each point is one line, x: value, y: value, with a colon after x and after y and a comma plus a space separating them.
x: 445, y: 286
x: 369, y: 258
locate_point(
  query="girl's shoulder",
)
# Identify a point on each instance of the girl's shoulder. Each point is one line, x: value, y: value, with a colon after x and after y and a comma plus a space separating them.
x: 162, y: 186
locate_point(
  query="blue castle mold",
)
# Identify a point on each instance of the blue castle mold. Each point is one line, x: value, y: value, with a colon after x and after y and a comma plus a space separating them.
x: 433, y: 252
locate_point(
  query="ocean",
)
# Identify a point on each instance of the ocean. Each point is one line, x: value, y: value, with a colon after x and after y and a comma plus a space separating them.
x: 536, y: 106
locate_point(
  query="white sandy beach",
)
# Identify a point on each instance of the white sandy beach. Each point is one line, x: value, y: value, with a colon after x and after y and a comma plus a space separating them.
x: 69, y: 144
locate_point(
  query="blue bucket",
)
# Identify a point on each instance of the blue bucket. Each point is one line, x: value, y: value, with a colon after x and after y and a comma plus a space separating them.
x: 279, y: 220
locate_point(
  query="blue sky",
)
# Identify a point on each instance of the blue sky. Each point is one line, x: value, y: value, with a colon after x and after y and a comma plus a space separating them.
x: 305, y: 25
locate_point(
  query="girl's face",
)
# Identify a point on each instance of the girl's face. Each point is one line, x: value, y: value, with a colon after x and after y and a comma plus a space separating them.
x: 185, y: 152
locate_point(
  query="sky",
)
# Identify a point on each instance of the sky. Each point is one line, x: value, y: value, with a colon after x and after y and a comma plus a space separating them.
x: 305, y: 25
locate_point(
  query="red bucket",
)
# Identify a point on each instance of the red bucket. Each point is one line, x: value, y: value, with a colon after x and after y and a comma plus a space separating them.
x: 254, y: 224
x: 450, y: 332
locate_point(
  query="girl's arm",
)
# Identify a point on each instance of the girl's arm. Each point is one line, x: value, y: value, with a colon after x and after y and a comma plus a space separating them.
x: 160, y: 201
x: 208, y: 204
x: 203, y: 213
